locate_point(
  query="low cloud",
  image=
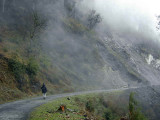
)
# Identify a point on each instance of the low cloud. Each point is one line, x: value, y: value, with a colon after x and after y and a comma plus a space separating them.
x: 126, y: 16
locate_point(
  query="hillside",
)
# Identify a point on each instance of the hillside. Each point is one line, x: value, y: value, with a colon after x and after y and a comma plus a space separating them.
x: 55, y: 42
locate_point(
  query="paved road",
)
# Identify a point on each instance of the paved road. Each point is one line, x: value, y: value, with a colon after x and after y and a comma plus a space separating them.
x: 20, y: 110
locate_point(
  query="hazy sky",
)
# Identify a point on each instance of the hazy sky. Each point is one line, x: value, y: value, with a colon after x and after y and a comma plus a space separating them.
x: 124, y: 15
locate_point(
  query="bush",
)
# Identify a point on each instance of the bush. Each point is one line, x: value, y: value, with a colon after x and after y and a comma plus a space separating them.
x: 1, y: 39
x: 90, y: 106
x: 18, y: 70
x: 93, y: 19
x: 74, y: 26
x: 16, y: 67
x: 134, y: 110
x: 5, y: 49
x: 109, y: 115
x: 32, y: 67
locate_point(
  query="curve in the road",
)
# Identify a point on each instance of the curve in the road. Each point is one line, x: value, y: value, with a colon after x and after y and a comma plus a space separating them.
x: 20, y: 110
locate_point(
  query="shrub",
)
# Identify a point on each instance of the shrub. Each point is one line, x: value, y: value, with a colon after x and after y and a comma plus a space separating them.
x: 5, y: 49
x: 32, y: 67
x: 18, y: 70
x: 1, y: 39
x: 14, y: 40
x: 93, y: 19
x: 16, y: 67
x: 108, y: 115
x: 134, y: 110
x: 90, y: 106
x: 74, y: 26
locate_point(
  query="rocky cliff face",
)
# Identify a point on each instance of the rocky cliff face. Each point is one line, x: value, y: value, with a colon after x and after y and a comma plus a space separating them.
x: 126, y: 58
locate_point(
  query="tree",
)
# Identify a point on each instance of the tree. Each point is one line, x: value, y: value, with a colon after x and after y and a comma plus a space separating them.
x: 134, y: 110
x: 93, y: 19
x: 37, y: 24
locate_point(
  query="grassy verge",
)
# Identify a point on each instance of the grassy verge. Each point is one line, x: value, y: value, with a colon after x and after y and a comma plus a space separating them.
x: 102, y: 106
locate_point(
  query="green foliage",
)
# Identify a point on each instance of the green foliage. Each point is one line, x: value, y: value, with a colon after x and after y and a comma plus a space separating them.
x: 132, y: 103
x: 35, y: 26
x: 32, y: 67
x: 5, y: 49
x: 38, y: 24
x: 134, y: 110
x: 74, y: 26
x: 69, y: 5
x: 109, y: 115
x: 16, y: 67
x: 20, y: 71
x: 45, y: 61
x: 15, y: 38
x: 91, y: 102
x: 90, y: 106
x: 93, y: 19
x: 1, y: 39
x: 49, y: 111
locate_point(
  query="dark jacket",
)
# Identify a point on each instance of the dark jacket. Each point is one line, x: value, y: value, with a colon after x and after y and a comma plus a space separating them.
x: 44, y: 89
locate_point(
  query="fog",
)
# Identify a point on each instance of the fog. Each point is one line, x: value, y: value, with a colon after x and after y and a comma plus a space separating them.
x: 127, y: 16
x: 123, y: 21
x: 79, y: 54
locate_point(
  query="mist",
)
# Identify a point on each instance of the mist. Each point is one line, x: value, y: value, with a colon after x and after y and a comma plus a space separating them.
x: 80, y: 45
x: 125, y: 22
x: 127, y: 16
x: 80, y: 55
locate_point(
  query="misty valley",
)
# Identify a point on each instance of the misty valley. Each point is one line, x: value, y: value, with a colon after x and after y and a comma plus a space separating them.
x: 81, y: 59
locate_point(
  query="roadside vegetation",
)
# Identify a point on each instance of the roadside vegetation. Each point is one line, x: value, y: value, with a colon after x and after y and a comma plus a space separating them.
x: 103, y: 106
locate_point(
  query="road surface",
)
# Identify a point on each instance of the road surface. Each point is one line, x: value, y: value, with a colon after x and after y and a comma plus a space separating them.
x: 21, y: 109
